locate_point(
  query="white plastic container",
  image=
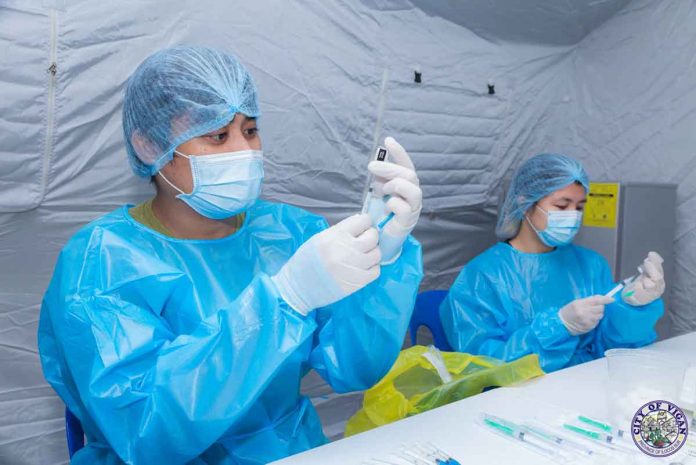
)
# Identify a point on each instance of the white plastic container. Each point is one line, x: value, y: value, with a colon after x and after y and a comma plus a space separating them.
x: 639, y: 376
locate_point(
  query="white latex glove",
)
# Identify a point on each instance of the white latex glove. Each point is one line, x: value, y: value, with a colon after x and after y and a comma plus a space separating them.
x: 397, y: 178
x: 331, y: 265
x: 583, y: 315
x: 649, y: 286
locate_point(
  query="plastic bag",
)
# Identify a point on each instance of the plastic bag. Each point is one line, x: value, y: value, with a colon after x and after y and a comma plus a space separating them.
x: 416, y: 383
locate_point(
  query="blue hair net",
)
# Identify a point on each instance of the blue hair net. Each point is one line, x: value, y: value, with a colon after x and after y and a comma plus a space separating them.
x: 536, y: 178
x: 178, y: 94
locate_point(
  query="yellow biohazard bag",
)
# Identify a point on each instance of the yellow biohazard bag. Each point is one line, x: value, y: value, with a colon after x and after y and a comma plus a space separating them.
x: 424, y: 378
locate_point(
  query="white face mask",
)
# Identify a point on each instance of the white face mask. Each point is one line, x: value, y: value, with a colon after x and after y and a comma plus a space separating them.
x: 224, y: 184
x: 561, y: 227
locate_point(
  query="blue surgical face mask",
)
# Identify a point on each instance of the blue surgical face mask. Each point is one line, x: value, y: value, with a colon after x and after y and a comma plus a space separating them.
x: 561, y: 227
x: 224, y: 184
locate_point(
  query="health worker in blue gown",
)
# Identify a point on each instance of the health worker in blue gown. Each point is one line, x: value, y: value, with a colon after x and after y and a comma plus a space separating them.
x: 178, y: 330
x: 535, y: 292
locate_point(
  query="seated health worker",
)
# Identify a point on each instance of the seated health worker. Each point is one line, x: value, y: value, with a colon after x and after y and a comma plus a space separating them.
x: 178, y: 331
x: 534, y: 292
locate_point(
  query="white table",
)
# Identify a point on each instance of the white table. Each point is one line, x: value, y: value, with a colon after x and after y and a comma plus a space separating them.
x: 453, y: 427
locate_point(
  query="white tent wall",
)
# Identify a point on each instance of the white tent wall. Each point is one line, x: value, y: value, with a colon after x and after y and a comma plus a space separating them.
x: 320, y: 68
x: 626, y: 107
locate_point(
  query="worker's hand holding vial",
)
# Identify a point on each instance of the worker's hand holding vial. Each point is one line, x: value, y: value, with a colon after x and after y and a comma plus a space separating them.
x: 583, y: 315
x: 331, y: 265
x: 397, y: 180
x: 649, y: 286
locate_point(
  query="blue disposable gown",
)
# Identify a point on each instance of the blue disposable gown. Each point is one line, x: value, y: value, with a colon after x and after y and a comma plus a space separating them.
x: 175, y: 351
x: 505, y: 304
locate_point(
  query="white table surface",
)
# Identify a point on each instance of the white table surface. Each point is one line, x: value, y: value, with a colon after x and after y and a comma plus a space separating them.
x: 454, y: 427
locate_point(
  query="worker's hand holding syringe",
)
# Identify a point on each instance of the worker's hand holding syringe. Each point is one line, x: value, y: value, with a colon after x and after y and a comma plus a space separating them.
x: 346, y: 257
x: 644, y: 287
x: 583, y: 315
x: 648, y: 285
x: 393, y: 198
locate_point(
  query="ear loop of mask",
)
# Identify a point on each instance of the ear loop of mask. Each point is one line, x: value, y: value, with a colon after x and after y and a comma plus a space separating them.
x: 529, y: 221
x: 167, y: 180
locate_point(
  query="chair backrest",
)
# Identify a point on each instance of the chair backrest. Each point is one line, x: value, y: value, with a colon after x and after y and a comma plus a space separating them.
x: 427, y: 313
x: 74, y: 433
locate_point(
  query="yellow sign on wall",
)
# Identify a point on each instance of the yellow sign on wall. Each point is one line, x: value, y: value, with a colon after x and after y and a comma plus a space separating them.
x: 602, y: 205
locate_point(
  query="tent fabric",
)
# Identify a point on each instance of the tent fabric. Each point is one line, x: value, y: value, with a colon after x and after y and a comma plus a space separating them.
x: 609, y: 82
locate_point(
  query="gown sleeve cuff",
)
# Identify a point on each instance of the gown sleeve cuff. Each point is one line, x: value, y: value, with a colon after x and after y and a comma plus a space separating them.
x: 550, y: 330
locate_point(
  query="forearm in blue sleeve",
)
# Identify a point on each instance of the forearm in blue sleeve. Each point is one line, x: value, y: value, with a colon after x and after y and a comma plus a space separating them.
x: 159, y: 397
x: 626, y: 326
x: 360, y: 336
x: 472, y: 316
x: 546, y: 336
